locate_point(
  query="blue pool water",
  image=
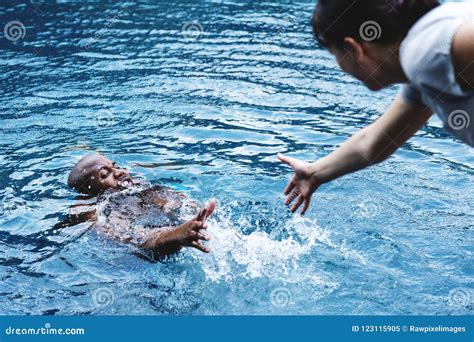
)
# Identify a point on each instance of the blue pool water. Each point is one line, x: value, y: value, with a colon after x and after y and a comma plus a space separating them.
x: 200, y: 96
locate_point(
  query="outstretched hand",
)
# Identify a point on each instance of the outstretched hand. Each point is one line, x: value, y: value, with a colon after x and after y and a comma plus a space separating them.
x: 301, y: 186
x: 194, y: 231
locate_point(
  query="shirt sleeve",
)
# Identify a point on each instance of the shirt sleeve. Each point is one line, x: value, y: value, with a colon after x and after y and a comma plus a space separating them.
x: 411, y: 95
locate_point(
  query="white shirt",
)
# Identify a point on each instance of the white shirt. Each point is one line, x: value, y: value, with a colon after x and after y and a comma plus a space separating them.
x: 425, y: 56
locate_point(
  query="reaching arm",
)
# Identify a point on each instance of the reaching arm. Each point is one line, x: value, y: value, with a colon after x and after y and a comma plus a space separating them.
x: 371, y: 145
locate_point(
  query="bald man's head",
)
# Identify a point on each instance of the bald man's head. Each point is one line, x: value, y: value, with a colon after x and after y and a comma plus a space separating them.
x: 94, y: 174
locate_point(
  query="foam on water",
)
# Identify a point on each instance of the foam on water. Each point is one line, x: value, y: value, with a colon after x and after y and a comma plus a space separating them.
x: 260, y: 254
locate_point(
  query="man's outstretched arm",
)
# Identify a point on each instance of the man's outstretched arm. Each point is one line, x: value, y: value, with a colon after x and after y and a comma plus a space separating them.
x: 169, y: 240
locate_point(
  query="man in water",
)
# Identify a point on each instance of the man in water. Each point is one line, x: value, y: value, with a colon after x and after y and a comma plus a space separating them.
x: 94, y: 174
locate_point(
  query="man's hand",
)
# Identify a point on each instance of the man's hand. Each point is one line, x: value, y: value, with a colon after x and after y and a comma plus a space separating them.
x: 166, y: 241
x: 302, y: 185
x: 192, y: 232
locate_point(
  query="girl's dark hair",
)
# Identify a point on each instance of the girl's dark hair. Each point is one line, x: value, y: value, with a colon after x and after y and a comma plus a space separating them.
x: 380, y: 21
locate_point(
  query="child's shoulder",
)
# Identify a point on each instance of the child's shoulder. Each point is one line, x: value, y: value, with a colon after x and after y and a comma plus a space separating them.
x: 425, y: 51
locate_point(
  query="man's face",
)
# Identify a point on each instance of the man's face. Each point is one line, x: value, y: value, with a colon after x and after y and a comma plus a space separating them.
x: 105, y: 175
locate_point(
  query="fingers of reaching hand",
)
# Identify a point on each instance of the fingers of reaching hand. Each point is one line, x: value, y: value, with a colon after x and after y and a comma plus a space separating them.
x: 211, y: 207
x: 202, y: 235
x: 207, y: 211
x: 292, y: 197
x: 291, y: 189
x: 287, y: 160
x: 198, y: 231
x: 199, y: 246
x: 198, y: 225
x: 306, y: 205
x: 301, y: 200
x: 198, y: 228
x: 291, y: 185
x: 202, y: 214
x: 298, y: 202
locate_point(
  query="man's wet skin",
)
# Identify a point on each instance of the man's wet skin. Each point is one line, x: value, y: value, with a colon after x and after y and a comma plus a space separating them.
x: 95, y: 174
